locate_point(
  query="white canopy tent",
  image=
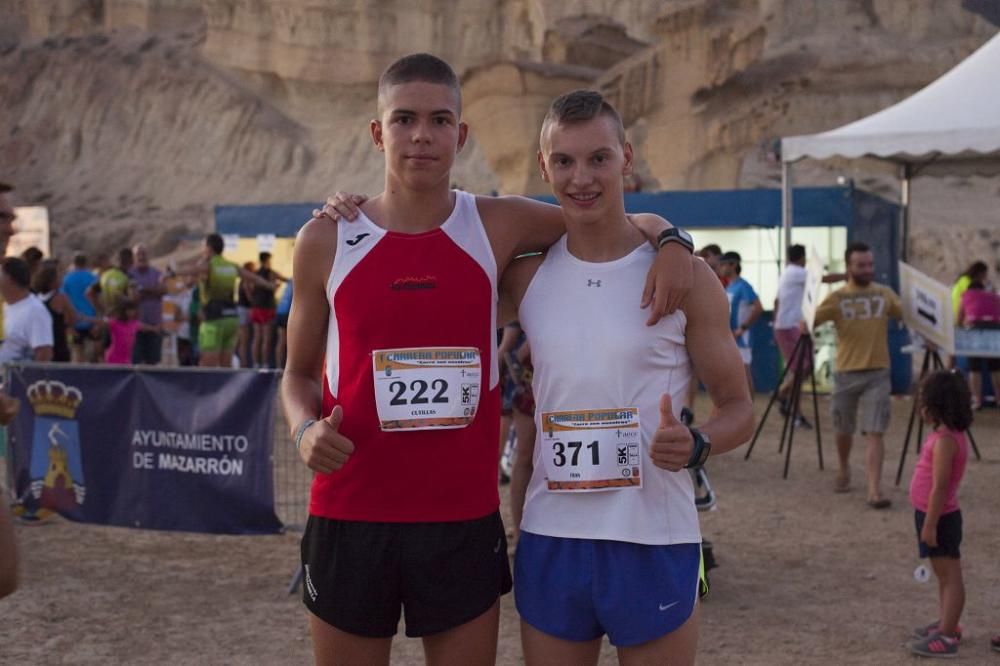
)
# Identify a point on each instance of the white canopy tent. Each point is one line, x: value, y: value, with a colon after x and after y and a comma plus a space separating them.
x: 952, y: 126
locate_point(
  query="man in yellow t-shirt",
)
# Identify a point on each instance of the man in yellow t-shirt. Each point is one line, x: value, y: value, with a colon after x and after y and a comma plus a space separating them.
x: 860, y: 312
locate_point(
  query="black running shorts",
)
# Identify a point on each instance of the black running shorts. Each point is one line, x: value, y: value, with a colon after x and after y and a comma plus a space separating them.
x: 360, y: 575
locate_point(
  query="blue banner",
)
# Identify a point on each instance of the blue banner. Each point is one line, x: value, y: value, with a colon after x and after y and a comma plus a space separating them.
x: 157, y: 449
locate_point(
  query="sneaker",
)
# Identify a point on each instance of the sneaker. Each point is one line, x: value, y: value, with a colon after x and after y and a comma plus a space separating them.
x: 35, y: 519
x: 935, y: 645
x: 704, y: 497
x: 800, y: 422
x: 924, y: 632
x: 40, y: 516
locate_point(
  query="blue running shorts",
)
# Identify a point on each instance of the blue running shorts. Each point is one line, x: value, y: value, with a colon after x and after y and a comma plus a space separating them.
x: 581, y: 589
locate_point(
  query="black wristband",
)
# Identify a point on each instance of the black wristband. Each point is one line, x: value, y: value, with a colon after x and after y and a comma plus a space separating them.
x: 701, y: 450
x: 675, y: 235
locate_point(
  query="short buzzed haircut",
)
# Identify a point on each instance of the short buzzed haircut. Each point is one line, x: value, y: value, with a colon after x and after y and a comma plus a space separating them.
x: 80, y: 260
x: 125, y: 256
x: 856, y: 246
x: 419, y: 67
x: 710, y: 250
x: 264, y: 257
x: 32, y: 255
x: 17, y: 270
x: 215, y: 243
x: 580, y: 106
x: 796, y: 253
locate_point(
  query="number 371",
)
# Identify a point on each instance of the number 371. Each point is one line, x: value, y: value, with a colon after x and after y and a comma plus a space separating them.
x: 560, y: 449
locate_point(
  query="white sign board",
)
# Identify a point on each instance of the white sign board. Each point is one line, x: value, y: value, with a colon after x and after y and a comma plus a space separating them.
x: 31, y: 229
x: 232, y: 242
x: 814, y: 280
x: 265, y: 242
x: 927, y: 307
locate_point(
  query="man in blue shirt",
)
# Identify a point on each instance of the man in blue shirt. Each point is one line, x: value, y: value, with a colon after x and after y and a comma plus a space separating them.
x: 281, y: 319
x: 744, y: 307
x: 85, y: 345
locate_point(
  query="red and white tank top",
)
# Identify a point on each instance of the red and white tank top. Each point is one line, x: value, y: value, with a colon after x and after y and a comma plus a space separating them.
x: 407, y: 293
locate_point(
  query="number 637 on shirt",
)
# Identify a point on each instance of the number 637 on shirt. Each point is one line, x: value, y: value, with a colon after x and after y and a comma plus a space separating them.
x: 592, y: 449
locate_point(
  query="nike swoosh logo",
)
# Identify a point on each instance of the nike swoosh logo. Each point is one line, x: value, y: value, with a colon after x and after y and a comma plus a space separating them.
x: 499, y: 543
x: 665, y: 607
x: 357, y: 239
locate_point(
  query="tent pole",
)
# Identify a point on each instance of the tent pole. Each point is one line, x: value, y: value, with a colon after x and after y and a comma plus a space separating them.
x: 905, y: 175
x: 786, y: 208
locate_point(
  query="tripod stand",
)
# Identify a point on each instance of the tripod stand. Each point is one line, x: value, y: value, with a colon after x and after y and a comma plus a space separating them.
x: 801, y: 354
x: 932, y: 362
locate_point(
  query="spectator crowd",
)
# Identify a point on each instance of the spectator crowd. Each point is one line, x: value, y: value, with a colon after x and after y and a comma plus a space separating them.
x: 130, y: 312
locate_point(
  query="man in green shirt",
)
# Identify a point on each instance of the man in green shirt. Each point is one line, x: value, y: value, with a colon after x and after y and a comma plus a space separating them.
x: 114, y: 282
x: 219, y: 326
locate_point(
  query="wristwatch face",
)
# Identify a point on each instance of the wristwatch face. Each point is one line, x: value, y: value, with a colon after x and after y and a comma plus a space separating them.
x: 707, y: 447
x: 679, y: 235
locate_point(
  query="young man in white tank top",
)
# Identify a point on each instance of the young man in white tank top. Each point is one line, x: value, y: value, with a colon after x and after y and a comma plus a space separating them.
x: 610, y: 542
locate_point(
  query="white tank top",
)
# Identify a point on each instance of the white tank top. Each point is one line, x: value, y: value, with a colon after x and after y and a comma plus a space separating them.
x: 591, y: 350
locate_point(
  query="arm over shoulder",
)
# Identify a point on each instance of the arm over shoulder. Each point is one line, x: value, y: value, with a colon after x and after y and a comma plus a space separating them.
x: 514, y: 285
x: 518, y: 225
x: 717, y: 361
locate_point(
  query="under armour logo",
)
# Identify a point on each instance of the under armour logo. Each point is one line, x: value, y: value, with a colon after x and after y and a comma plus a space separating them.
x: 593, y: 283
x: 357, y: 239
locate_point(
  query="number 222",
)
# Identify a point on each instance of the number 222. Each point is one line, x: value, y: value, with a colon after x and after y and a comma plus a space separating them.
x: 419, y: 387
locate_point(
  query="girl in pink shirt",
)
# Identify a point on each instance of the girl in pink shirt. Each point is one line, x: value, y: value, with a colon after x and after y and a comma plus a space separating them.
x: 945, y: 406
x: 123, y: 326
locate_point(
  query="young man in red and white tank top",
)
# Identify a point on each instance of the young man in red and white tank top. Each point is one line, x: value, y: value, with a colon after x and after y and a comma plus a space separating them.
x: 401, y: 427
x: 610, y: 542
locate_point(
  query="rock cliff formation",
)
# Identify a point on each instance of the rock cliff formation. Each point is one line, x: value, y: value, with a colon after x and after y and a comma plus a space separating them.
x: 132, y: 118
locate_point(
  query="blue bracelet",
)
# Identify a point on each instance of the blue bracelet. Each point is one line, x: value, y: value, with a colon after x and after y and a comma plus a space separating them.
x: 301, y: 431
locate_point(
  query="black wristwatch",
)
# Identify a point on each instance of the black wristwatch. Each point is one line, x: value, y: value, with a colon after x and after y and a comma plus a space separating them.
x: 702, y: 447
x: 675, y: 235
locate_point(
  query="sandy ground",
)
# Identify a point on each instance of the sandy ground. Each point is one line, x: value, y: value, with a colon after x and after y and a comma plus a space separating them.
x: 806, y: 577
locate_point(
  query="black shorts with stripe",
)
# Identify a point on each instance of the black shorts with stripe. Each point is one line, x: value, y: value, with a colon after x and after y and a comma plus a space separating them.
x: 361, y: 576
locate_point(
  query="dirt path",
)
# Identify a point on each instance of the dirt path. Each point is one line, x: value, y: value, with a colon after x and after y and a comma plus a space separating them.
x: 806, y: 576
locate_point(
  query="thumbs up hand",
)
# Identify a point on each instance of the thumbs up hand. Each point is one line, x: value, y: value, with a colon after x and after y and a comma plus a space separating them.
x: 672, y: 442
x: 322, y: 447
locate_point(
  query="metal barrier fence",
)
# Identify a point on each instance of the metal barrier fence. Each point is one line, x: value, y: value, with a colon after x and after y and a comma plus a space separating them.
x: 291, y: 478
